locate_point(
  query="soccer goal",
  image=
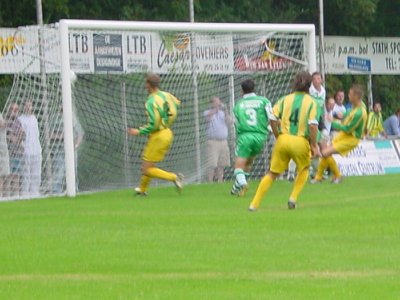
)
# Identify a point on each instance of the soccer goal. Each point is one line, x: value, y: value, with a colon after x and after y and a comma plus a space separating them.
x: 86, y: 81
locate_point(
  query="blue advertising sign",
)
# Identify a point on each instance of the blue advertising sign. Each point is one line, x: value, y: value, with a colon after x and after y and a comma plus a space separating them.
x: 358, y: 64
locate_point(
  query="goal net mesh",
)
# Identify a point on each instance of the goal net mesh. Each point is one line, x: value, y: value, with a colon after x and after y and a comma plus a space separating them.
x: 109, y: 95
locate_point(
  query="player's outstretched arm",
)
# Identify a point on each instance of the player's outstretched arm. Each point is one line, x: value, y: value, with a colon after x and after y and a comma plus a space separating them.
x: 313, y: 140
x: 275, y: 127
x: 133, y: 131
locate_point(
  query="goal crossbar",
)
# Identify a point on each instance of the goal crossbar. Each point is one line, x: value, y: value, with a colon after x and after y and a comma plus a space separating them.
x: 185, y: 26
x: 65, y: 25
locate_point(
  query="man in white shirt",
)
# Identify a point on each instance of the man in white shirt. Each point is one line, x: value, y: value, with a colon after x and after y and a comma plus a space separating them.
x: 339, y: 108
x: 317, y: 90
x: 329, y: 105
x: 4, y: 159
x: 32, y: 166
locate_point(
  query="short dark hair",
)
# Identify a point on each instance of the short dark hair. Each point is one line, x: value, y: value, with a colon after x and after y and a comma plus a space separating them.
x: 153, y: 79
x: 315, y: 74
x: 398, y: 111
x: 248, y: 86
x: 358, y: 89
x: 337, y: 92
x: 302, y: 82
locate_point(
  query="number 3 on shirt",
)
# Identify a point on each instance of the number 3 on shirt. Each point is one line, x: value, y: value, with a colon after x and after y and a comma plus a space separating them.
x: 252, y: 114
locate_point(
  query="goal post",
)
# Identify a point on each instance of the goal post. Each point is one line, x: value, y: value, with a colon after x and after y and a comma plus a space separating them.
x: 118, y: 26
x: 66, y: 93
x: 94, y: 88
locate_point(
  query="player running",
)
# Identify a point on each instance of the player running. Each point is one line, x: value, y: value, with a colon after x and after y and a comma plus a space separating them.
x: 351, y: 132
x: 251, y: 124
x: 318, y: 92
x: 295, y: 126
x: 162, y: 110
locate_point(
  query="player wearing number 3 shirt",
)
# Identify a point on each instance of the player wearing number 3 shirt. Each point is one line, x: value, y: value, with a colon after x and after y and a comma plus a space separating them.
x: 251, y: 124
x: 295, y: 126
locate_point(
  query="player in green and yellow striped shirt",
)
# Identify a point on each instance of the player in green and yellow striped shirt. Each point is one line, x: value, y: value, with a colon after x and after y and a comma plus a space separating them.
x: 375, y: 122
x: 295, y: 126
x: 351, y: 132
x: 162, y: 110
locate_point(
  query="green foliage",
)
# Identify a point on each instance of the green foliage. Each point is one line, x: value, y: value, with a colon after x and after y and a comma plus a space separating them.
x: 349, y: 17
x: 387, y: 21
x: 384, y: 92
x: 5, y: 87
x: 341, y: 243
x: 342, y: 17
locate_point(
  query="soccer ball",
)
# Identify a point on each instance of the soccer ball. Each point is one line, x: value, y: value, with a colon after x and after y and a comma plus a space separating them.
x: 73, y: 77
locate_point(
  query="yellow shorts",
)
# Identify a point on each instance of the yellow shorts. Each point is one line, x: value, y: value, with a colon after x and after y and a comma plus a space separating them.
x: 158, y: 145
x: 290, y: 147
x: 343, y: 143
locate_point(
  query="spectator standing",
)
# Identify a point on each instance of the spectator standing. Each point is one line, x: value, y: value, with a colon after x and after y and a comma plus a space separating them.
x: 15, y: 141
x: 58, y: 153
x: 32, y: 168
x: 328, y: 117
x: 4, y: 159
x: 339, y: 108
x: 217, y: 144
x: 375, y: 122
x: 317, y: 90
x: 392, y: 124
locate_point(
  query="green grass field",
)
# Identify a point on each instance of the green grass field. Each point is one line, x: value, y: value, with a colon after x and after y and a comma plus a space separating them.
x: 342, y: 242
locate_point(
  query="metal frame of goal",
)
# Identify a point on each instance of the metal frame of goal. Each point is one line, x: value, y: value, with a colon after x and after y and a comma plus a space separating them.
x: 66, y: 25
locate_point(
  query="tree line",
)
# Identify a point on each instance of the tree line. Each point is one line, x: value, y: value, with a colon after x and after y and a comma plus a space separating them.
x: 342, y: 17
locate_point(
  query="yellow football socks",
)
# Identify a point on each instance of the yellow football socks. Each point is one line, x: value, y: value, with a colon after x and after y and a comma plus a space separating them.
x: 161, y: 174
x: 263, y: 187
x: 322, y: 166
x: 299, y: 183
x: 333, y: 167
x: 144, y: 183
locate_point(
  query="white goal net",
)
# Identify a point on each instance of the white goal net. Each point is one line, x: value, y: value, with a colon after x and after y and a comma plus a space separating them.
x: 107, y: 94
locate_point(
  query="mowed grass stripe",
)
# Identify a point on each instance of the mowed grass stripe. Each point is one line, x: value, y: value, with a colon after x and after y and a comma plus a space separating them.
x: 258, y: 276
x: 341, y: 243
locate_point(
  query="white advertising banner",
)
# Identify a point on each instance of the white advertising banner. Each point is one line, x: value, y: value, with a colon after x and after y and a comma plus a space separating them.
x: 171, y: 53
x: 137, y: 50
x: 370, y: 158
x: 51, y: 50
x: 358, y: 55
x: 117, y: 52
x: 18, y: 50
x: 213, y: 54
x: 80, y: 45
x: 81, y: 51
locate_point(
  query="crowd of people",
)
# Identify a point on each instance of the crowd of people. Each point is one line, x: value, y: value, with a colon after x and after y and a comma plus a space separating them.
x: 21, y: 152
